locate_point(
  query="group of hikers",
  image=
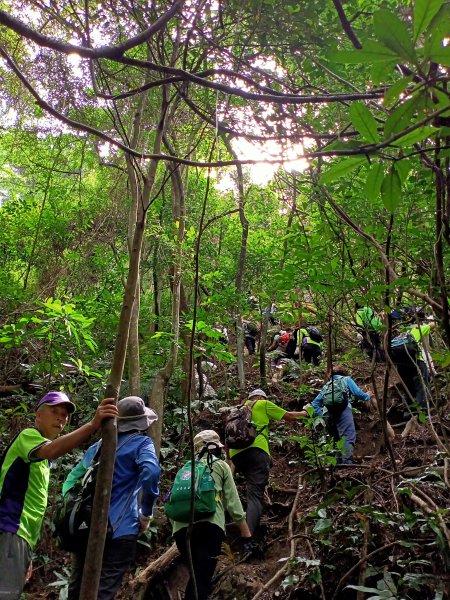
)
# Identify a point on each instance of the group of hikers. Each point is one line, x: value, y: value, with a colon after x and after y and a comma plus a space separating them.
x: 409, y: 346
x: 25, y: 465
x: 25, y: 469
x: 305, y: 343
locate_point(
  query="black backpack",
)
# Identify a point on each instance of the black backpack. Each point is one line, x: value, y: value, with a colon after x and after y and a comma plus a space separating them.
x: 314, y: 334
x: 404, y: 350
x: 240, y: 432
x: 250, y: 329
x: 73, y: 516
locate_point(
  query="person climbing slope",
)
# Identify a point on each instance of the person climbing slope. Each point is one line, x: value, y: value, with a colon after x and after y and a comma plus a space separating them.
x: 208, y: 533
x: 254, y: 461
x: 333, y: 403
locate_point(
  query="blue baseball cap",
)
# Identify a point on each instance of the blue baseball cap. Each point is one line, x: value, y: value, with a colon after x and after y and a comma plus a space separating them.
x: 54, y: 398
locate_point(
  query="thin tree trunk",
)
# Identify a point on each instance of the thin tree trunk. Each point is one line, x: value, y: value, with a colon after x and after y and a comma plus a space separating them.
x: 134, y: 367
x: 240, y: 268
x: 102, y: 497
x: 41, y: 212
x: 163, y: 376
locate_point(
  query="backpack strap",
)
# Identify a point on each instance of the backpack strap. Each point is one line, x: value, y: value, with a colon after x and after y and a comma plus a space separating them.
x: 258, y: 431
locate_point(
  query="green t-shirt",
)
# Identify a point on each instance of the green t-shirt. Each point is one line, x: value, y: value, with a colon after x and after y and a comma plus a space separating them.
x: 304, y: 334
x: 24, y: 487
x: 419, y: 332
x: 263, y: 412
x: 365, y: 318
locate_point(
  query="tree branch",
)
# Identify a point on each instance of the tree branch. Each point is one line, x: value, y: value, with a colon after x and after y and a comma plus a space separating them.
x: 112, y: 52
x: 346, y: 25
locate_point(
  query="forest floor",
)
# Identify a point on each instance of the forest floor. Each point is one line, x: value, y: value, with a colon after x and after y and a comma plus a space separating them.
x: 381, y: 523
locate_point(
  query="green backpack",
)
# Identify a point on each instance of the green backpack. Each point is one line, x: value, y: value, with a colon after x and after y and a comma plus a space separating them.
x: 178, y: 506
x: 336, y: 395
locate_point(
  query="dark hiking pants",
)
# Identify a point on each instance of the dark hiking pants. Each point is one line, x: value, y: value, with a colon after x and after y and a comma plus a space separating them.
x: 254, y: 464
x: 206, y: 541
x: 118, y: 556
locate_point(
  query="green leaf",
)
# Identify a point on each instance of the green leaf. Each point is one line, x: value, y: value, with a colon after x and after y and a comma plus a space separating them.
x: 441, y: 56
x: 322, y: 525
x: 344, y: 145
x: 341, y: 168
x: 394, y: 34
x: 401, y: 116
x: 424, y: 11
x: 392, y: 94
x: 380, y: 69
x: 391, y: 190
x: 372, y: 52
x: 417, y: 135
x: 373, y: 182
x: 403, y: 167
x: 444, y: 101
x: 364, y: 122
x: 438, y: 30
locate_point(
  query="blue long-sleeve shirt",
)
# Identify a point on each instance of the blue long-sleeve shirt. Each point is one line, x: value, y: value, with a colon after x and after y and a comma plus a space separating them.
x: 136, y: 467
x: 354, y: 390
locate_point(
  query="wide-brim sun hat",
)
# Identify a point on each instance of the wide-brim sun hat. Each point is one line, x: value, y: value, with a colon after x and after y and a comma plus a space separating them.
x: 54, y: 398
x: 257, y: 392
x: 133, y: 414
x: 205, y: 437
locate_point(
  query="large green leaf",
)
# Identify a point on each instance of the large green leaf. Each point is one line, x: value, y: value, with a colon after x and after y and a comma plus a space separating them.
x: 401, y: 117
x: 372, y: 52
x: 438, y: 31
x: 341, y: 168
x: 392, y: 94
x: 403, y: 167
x: 374, y: 180
x: 417, y: 135
x: 364, y: 122
x: 394, y: 34
x: 391, y: 190
x: 441, y: 56
x: 424, y: 11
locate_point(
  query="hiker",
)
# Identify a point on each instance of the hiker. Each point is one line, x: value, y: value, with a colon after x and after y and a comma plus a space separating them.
x: 333, y: 402
x: 311, y: 345
x: 208, y: 533
x: 369, y: 327
x: 414, y: 364
x: 254, y: 461
x: 136, y: 475
x: 250, y: 335
x: 24, y: 480
x: 284, y: 345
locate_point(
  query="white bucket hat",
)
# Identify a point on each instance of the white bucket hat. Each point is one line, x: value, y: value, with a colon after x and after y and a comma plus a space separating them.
x: 257, y: 392
x: 208, y: 436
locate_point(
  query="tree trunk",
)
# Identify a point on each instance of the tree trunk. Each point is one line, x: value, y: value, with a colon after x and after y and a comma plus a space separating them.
x: 162, y: 378
x: 240, y: 268
x: 134, y: 367
x: 102, y: 497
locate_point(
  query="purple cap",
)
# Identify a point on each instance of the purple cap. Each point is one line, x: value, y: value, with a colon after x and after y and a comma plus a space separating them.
x: 53, y: 398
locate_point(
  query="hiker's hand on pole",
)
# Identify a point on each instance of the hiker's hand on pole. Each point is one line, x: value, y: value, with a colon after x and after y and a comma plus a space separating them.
x: 106, y: 409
